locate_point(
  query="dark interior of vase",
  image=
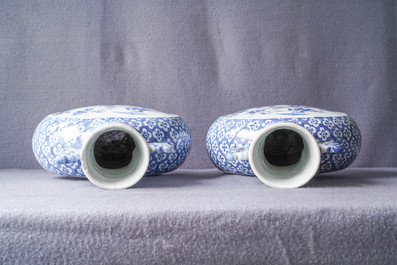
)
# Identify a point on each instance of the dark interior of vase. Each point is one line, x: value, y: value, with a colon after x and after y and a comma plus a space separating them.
x: 113, y: 149
x: 283, y: 147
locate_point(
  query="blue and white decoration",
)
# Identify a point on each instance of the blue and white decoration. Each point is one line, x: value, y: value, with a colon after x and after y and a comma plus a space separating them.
x: 58, y: 139
x: 338, y: 135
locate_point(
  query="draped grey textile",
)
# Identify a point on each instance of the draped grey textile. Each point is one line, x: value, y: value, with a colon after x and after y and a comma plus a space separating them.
x: 199, y: 59
x: 199, y: 217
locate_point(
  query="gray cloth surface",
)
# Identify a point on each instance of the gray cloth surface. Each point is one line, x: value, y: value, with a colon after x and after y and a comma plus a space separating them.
x: 199, y: 217
x: 199, y: 59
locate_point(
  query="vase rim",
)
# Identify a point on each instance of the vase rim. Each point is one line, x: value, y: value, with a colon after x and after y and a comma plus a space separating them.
x: 293, y: 176
x: 120, y: 178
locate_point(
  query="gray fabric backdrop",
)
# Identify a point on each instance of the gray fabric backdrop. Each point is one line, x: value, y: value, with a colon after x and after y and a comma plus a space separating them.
x: 198, y: 59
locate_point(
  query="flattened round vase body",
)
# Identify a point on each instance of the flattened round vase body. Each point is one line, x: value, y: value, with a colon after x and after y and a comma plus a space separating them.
x: 113, y: 146
x: 283, y: 145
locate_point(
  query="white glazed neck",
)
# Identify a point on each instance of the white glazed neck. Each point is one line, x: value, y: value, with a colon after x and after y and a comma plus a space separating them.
x: 292, y: 176
x: 119, y: 178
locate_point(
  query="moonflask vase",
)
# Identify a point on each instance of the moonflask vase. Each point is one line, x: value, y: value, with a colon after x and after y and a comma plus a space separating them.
x: 113, y: 146
x: 283, y: 145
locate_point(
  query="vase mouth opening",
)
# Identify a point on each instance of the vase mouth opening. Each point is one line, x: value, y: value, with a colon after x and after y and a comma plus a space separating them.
x: 284, y: 155
x: 283, y: 147
x: 114, y: 149
x: 115, y: 156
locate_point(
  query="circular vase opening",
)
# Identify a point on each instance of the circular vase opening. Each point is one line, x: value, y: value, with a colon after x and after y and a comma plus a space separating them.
x: 113, y: 149
x: 115, y: 156
x: 284, y: 155
x: 283, y: 147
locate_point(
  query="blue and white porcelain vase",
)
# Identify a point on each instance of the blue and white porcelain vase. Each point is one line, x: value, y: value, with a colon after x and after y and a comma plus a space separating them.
x: 113, y: 146
x: 283, y: 145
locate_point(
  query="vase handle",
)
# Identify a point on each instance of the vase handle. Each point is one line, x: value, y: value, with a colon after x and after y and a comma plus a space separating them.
x: 160, y: 148
x: 327, y: 147
x: 64, y: 158
x: 330, y: 147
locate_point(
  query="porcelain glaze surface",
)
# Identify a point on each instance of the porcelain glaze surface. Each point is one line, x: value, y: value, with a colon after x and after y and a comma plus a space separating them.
x: 337, y: 133
x: 58, y: 139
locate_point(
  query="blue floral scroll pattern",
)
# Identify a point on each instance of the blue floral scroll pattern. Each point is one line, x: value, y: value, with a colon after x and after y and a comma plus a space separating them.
x: 115, y: 109
x: 61, y: 155
x: 281, y: 110
x: 223, y: 139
